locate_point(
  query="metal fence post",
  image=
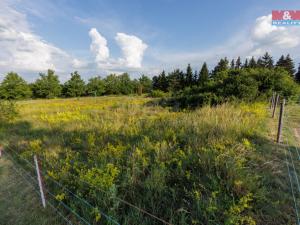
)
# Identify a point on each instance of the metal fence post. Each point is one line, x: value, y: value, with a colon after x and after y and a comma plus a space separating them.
x: 280, y: 121
x: 39, y: 180
x: 275, y: 105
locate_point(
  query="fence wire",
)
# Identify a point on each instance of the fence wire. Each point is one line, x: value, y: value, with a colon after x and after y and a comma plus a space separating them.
x: 292, y: 172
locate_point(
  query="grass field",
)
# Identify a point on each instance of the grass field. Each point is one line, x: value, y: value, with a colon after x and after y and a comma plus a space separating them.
x: 214, y: 165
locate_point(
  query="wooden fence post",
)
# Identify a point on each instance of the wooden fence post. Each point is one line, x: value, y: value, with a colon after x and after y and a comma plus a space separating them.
x: 272, y: 101
x: 275, y: 105
x: 39, y: 180
x: 280, y: 121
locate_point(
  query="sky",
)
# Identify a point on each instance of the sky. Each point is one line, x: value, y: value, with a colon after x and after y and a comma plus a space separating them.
x: 99, y: 37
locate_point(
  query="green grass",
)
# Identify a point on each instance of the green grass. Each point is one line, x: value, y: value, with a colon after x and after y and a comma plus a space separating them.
x: 214, y: 165
x: 19, y: 203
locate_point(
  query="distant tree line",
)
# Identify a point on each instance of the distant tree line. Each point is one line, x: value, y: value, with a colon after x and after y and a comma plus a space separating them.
x: 247, y: 80
x: 48, y: 86
x: 235, y: 80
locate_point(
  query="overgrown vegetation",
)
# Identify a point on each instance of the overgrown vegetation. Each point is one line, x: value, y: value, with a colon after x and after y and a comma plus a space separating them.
x: 249, y: 81
x: 202, y: 166
x: 194, y: 167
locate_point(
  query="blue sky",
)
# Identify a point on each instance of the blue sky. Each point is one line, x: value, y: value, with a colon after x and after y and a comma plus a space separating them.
x: 137, y: 36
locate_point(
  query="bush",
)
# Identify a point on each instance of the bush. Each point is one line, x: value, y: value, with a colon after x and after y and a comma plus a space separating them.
x: 157, y: 94
x: 8, y: 110
x: 247, y: 85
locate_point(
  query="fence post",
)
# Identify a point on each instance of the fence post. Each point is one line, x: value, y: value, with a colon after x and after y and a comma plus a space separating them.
x: 272, y: 101
x: 280, y: 121
x: 275, y: 105
x: 39, y: 180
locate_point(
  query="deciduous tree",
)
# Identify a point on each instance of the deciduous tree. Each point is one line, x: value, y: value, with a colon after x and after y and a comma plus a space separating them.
x: 74, y: 87
x: 95, y: 86
x: 47, y: 86
x: 14, y: 87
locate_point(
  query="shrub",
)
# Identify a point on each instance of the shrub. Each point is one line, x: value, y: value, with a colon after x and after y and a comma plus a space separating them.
x: 8, y: 110
x: 157, y: 94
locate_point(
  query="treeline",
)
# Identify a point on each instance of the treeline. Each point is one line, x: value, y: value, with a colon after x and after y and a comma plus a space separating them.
x: 48, y: 86
x: 247, y: 80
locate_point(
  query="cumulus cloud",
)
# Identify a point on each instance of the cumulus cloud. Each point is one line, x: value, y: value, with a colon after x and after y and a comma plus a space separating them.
x: 132, y: 48
x: 99, y: 46
x: 264, y: 34
x: 79, y: 64
x: 259, y: 37
x: 23, y: 50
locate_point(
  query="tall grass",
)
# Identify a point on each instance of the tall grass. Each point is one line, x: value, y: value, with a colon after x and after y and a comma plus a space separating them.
x: 188, y: 167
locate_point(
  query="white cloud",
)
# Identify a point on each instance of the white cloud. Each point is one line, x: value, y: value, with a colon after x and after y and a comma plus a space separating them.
x: 78, y: 64
x: 255, y: 40
x: 27, y: 53
x: 133, y: 49
x: 24, y: 51
x: 99, y: 46
x: 264, y: 34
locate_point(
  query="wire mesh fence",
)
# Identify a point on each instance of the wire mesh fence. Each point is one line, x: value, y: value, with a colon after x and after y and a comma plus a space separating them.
x: 66, y: 203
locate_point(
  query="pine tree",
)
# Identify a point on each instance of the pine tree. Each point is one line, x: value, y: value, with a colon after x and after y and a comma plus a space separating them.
x: 189, y: 75
x: 163, y: 82
x: 176, y: 81
x: 238, y: 63
x: 204, y: 74
x: 286, y: 63
x: 155, y: 83
x: 221, y: 66
x: 267, y: 61
x: 259, y: 63
x: 160, y: 82
x: 280, y: 62
x: 297, y: 75
x: 252, y: 63
x: 289, y: 65
x: 232, y: 64
x: 226, y: 62
x: 182, y: 79
x: 246, y: 64
x: 195, y: 77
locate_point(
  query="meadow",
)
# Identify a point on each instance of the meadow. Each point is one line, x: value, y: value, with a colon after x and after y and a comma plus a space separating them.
x: 205, y: 166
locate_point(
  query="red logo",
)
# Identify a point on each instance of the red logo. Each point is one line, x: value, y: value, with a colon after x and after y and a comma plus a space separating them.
x: 286, y: 15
